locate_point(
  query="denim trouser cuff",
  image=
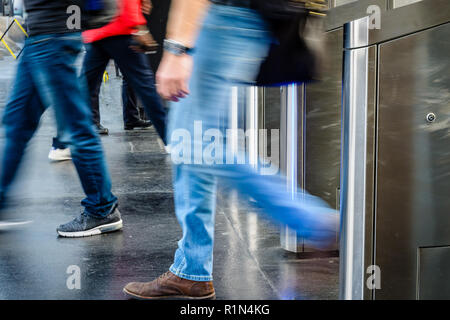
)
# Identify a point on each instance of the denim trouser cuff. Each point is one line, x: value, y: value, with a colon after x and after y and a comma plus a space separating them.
x: 58, y: 144
x: 178, y: 273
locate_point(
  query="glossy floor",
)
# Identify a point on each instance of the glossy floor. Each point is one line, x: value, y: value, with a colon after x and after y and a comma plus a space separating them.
x: 249, y: 264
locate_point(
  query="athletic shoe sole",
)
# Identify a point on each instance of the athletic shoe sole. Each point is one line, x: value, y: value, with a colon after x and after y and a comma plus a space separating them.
x: 59, y: 159
x: 4, y: 225
x: 211, y: 296
x: 137, y: 128
x: 105, y: 228
x: 58, y: 155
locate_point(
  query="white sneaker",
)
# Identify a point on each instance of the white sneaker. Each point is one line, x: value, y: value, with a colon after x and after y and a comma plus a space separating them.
x: 59, y: 154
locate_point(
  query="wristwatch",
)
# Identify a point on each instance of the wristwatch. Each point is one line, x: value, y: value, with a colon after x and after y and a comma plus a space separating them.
x: 176, y: 47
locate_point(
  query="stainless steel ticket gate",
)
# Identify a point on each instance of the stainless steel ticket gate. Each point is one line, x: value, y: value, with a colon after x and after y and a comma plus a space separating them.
x: 373, y: 140
x: 395, y: 175
x: 307, y: 151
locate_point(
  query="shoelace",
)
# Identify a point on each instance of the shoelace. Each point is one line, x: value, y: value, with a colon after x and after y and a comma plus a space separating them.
x: 164, y: 276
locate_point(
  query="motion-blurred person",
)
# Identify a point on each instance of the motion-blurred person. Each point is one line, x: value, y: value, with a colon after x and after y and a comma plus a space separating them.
x: 233, y: 42
x: 156, y: 24
x: 133, y: 117
x: 119, y: 32
x: 47, y: 77
x: 116, y: 19
x: 59, y: 151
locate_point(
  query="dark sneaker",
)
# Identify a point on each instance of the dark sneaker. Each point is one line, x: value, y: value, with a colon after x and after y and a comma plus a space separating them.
x: 140, y: 124
x: 86, y: 226
x: 169, y: 286
x: 101, y: 129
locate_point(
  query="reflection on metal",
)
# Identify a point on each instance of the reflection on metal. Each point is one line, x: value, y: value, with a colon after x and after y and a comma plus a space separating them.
x: 233, y: 125
x: 401, y: 3
x: 340, y: 15
x: 291, y: 159
x: 433, y: 273
x: 244, y: 124
x: 338, y: 3
x: 413, y: 168
x: 322, y: 134
x: 252, y: 124
x: 354, y: 154
x: 315, y: 107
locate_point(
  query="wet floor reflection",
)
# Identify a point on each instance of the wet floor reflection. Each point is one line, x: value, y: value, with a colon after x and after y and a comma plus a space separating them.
x: 248, y: 262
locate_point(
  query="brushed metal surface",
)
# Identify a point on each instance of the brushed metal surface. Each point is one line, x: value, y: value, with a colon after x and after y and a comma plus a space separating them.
x: 397, y: 18
x: 413, y: 168
x: 340, y: 15
x: 338, y: 3
x: 292, y: 153
x: 433, y: 273
x: 322, y: 134
x: 253, y: 107
x: 401, y: 3
x: 271, y: 118
x: 410, y: 19
x: 353, y: 172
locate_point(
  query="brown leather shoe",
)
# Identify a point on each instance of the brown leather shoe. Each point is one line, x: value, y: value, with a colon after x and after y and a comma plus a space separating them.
x: 169, y: 286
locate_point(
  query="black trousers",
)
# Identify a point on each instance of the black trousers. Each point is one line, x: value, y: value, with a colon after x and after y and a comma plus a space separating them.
x: 156, y: 23
x: 136, y: 71
x: 131, y: 105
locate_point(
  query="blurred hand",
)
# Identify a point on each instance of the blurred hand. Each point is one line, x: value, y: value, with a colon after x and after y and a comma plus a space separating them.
x: 146, y: 7
x: 144, y: 42
x: 173, y: 76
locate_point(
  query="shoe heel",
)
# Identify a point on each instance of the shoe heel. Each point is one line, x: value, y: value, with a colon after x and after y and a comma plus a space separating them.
x: 112, y: 227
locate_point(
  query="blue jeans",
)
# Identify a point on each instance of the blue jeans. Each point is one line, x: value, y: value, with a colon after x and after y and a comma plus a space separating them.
x: 229, y: 51
x: 47, y: 77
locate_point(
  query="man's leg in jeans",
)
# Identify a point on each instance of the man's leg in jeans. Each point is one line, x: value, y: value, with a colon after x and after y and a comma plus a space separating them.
x: 20, y: 120
x: 195, y: 202
x: 59, y: 87
x: 136, y: 70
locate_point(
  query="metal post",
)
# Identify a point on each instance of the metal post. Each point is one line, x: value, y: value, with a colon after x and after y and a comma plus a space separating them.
x: 252, y: 124
x: 354, y: 154
x: 291, y: 154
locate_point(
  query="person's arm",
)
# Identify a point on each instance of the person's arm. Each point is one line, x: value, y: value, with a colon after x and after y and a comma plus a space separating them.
x: 129, y: 19
x: 183, y: 26
x: 185, y: 20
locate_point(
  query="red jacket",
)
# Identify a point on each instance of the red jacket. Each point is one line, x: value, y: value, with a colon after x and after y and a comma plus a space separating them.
x: 129, y: 17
